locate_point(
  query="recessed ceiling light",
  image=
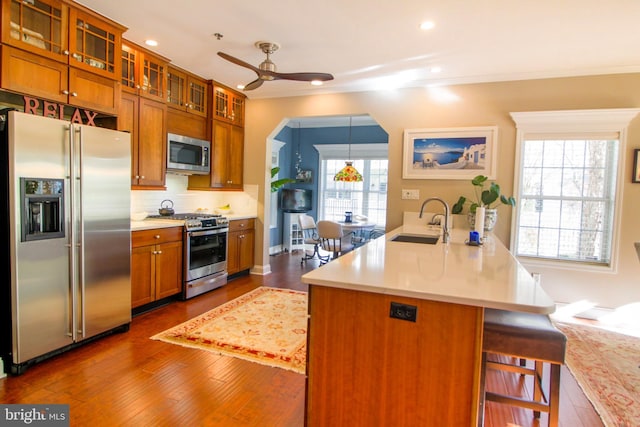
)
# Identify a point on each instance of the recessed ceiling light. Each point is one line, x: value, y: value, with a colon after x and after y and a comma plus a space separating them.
x: 151, y: 42
x: 427, y: 25
x: 316, y: 82
x: 240, y: 87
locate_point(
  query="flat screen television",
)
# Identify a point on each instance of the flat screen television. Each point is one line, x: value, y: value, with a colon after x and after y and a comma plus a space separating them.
x: 295, y: 200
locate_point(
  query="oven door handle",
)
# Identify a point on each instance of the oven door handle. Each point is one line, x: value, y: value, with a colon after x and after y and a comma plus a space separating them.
x: 208, y: 232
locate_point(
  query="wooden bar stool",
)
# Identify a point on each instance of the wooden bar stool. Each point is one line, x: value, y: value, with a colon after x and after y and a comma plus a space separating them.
x: 524, y: 336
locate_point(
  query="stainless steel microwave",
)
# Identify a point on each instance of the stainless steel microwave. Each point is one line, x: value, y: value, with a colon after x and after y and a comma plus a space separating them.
x: 188, y: 156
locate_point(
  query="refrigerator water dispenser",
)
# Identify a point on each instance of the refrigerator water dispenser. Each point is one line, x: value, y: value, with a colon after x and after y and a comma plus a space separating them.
x: 42, y: 208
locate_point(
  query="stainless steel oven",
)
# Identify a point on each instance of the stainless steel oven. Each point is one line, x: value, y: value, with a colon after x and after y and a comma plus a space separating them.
x: 205, y: 255
x: 205, y: 251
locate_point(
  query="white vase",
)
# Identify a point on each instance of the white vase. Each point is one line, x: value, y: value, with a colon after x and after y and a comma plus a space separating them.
x: 490, y: 219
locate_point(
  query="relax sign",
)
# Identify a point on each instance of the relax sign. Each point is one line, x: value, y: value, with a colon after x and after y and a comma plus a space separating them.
x: 52, y: 109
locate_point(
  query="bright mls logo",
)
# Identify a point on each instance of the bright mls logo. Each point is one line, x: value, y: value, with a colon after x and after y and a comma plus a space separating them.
x: 37, y: 415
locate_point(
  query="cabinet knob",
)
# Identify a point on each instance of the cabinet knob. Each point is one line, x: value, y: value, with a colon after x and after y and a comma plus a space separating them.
x: 142, y: 177
x: 66, y: 52
x: 65, y: 92
x: 159, y: 252
x: 157, y: 236
x: 137, y: 177
x: 137, y: 86
x: 74, y: 93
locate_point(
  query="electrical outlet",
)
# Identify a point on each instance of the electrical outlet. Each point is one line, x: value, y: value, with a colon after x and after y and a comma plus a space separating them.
x: 403, y: 311
x: 410, y: 194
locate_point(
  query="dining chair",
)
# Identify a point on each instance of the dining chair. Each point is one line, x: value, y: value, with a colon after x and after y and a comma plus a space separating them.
x: 310, y: 237
x: 333, y: 239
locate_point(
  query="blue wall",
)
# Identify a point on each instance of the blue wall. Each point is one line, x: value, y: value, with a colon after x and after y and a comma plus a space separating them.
x: 305, y: 139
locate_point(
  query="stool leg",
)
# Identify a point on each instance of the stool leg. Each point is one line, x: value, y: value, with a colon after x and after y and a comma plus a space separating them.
x: 483, y: 380
x: 537, y: 384
x: 554, y: 395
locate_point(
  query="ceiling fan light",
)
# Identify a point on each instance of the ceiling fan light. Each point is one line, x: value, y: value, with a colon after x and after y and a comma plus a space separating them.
x: 317, y: 82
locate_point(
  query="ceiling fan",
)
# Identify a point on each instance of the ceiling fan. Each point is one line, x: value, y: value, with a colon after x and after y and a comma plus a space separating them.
x: 267, y: 69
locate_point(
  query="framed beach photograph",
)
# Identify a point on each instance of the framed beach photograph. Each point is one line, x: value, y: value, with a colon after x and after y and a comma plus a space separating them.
x: 450, y: 153
x: 636, y: 166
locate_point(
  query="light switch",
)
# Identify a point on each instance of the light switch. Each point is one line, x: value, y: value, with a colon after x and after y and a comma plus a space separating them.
x: 410, y: 194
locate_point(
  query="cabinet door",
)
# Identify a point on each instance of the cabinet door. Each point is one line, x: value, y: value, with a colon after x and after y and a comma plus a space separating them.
x: 176, y: 89
x: 236, y: 158
x: 233, y: 253
x: 152, y: 143
x: 143, y: 275
x: 153, y: 78
x: 220, y: 154
x: 94, y: 92
x: 197, y: 96
x: 128, y: 122
x: 130, y: 69
x: 168, y: 269
x: 94, y: 45
x: 39, y: 27
x: 245, y: 249
x: 28, y: 73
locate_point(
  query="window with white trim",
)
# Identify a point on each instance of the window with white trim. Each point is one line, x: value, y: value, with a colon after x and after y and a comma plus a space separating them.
x: 568, y: 185
x: 367, y: 198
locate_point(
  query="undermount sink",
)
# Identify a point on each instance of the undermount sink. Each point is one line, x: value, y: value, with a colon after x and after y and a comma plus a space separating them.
x: 411, y: 238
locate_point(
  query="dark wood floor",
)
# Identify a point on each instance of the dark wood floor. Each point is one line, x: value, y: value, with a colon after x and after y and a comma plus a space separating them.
x: 129, y: 380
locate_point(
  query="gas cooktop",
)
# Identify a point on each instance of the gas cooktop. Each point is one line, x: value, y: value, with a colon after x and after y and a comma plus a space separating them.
x: 197, y: 221
x: 184, y: 216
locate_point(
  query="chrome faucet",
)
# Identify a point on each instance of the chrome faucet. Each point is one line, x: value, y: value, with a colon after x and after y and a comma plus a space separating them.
x: 445, y: 228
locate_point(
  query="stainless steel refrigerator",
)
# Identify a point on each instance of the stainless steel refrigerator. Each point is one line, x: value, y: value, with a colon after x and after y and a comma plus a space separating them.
x: 68, y: 203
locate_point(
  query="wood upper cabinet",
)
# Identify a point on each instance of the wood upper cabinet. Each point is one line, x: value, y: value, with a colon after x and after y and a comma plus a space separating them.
x: 94, y: 43
x: 186, y: 92
x: 62, y: 52
x: 146, y: 120
x: 228, y: 105
x: 143, y: 72
x: 156, y: 264
x: 41, y: 27
x: 227, y: 160
x: 240, y: 245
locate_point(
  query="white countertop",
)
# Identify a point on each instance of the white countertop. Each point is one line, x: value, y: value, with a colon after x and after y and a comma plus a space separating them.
x: 484, y: 276
x: 151, y: 223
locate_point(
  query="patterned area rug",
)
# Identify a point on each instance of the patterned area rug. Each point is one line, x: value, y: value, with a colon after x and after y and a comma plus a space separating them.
x: 607, y: 366
x: 266, y: 325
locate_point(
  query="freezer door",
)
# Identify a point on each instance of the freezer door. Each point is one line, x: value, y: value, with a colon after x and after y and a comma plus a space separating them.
x: 103, y: 220
x: 40, y: 294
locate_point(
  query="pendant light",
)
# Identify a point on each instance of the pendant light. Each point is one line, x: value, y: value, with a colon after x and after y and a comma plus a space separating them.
x: 348, y: 173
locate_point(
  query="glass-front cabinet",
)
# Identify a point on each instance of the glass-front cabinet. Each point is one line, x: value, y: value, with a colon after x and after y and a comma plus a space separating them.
x: 143, y: 73
x: 61, y: 51
x: 186, y: 92
x: 64, y: 33
x: 37, y: 25
x: 228, y: 105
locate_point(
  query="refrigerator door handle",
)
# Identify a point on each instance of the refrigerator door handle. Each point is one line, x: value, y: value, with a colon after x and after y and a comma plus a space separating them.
x: 72, y: 236
x: 80, y: 216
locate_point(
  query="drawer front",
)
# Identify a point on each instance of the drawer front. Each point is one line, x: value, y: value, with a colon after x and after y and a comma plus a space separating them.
x: 155, y: 236
x: 242, y: 224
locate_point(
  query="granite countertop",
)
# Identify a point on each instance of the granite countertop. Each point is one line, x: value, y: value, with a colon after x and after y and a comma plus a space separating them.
x: 484, y: 276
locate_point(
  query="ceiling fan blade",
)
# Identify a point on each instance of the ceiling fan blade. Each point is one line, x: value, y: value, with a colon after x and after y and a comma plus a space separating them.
x: 254, y: 84
x: 239, y: 62
x: 303, y: 77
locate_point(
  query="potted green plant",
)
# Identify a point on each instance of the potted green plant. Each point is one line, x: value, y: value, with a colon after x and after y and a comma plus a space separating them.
x: 487, y: 195
x: 275, y: 185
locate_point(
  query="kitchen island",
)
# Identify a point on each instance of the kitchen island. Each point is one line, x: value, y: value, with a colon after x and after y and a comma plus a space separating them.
x: 395, y: 329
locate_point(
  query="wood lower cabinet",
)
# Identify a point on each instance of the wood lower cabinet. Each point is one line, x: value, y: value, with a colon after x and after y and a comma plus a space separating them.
x: 156, y: 265
x: 369, y: 367
x: 240, y: 245
x: 146, y: 120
